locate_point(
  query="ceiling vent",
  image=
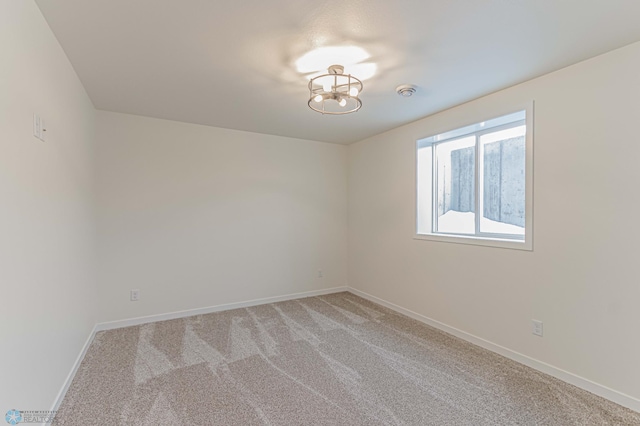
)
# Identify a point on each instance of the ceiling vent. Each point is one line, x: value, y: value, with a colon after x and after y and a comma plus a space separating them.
x: 406, y: 90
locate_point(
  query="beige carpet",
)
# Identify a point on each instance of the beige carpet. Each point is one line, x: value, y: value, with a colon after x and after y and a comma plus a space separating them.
x: 328, y: 360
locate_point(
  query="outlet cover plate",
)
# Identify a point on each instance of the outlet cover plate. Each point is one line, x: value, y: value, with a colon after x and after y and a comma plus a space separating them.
x: 536, y: 327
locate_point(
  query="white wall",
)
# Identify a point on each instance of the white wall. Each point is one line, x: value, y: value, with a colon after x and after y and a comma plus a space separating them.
x: 46, y: 217
x: 197, y: 216
x: 581, y: 279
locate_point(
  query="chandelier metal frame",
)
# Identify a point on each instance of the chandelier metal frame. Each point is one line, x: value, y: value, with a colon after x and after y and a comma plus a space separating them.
x: 344, y: 87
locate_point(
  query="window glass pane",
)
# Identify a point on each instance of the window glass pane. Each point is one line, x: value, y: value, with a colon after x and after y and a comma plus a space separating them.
x: 502, y: 182
x: 456, y: 186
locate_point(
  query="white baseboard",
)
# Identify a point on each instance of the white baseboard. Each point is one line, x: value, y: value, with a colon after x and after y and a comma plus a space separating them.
x: 201, y: 311
x: 595, y: 388
x: 74, y: 369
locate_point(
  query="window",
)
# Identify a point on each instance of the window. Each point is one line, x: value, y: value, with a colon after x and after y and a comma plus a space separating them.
x: 474, y: 184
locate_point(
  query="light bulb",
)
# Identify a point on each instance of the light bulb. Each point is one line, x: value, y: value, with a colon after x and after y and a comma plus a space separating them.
x: 342, y: 102
x: 318, y: 98
x: 326, y: 87
x: 353, y: 91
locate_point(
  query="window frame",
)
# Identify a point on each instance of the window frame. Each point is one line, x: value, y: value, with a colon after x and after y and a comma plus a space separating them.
x: 479, y: 238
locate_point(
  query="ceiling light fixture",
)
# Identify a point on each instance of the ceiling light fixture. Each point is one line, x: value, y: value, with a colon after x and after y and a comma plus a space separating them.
x: 335, y: 92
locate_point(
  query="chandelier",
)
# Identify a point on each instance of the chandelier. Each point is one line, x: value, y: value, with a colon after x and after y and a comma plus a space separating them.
x: 335, y: 93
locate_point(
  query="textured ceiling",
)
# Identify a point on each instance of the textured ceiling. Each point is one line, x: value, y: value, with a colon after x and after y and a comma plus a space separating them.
x: 232, y: 64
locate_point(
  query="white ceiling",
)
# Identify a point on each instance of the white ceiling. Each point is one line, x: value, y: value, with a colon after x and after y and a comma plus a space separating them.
x: 231, y: 63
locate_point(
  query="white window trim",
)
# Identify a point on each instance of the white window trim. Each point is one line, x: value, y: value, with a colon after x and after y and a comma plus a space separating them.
x: 527, y: 243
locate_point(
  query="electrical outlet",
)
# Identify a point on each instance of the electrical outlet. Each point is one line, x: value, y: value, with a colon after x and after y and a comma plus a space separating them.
x: 135, y: 295
x: 536, y: 327
x: 320, y: 273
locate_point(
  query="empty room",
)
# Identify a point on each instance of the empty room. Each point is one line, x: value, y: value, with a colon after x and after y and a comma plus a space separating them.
x: 319, y: 213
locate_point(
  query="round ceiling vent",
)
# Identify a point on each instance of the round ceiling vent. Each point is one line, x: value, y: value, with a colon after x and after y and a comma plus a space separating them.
x: 406, y: 90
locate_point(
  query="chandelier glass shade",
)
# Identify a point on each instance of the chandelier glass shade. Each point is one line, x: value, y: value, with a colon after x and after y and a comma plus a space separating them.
x: 335, y: 93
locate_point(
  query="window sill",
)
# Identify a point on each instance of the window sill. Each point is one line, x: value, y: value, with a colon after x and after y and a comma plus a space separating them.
x: 478, y: 241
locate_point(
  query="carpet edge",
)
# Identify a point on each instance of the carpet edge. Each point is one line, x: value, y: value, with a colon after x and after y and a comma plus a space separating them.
x: 111, y: 325
x: 605, y: 392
